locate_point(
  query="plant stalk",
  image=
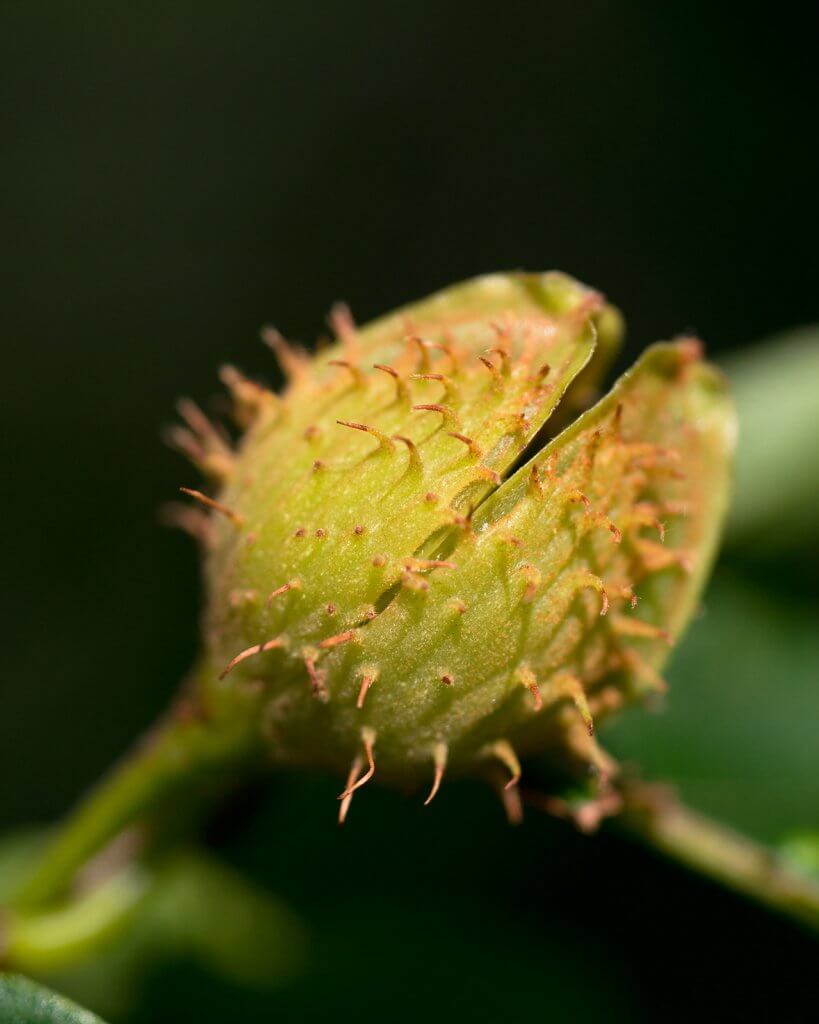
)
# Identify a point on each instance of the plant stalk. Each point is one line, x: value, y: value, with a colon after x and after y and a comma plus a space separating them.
x: 182, y: 758
x: 712, y: 849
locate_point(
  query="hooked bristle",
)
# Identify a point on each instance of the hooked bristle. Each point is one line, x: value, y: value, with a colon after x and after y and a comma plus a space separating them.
x: 439, y: 757
x: 368, y: 741
x: 249, y: 652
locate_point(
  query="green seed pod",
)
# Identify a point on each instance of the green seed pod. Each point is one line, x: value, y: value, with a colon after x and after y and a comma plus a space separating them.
x: 431, y: 553
x: 425, y: 555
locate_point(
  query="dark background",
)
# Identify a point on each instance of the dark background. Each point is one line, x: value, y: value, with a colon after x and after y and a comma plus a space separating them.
x: 174, y: 175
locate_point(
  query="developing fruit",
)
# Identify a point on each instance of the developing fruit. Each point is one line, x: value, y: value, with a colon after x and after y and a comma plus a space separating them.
x: 424, y: 556
x: 431, y: 554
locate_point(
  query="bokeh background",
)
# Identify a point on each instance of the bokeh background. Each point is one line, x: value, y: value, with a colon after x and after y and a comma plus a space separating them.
x: 173, y: 176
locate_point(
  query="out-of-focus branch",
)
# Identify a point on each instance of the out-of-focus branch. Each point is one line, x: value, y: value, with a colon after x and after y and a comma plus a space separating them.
x: 706, y: 846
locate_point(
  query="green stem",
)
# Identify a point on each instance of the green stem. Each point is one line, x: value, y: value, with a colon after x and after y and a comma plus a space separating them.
x: 50, y: 939
x: 714, y: 850
x: 181, y: 758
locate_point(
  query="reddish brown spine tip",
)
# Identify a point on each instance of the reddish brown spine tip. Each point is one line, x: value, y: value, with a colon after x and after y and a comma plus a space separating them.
x: 569, y: 685
x: 355, y: 769
x: 451, y: 391
x: 448, y: 348
x: 367, y: 680
x: 503, y: 751
x: 449, y: 415
x: 423, y: 352
x: 579, y: 496
x: 384, y: 441
x: 412, y: 448
x: 439, y: 757
x: 355, y: 371
x: 217, y: 506
x: 504, y: 358
x: 367, y: 740
x: 283, y: 589
x: 497, y: 376
x: 249, y: 652
x: 386, y: 369
x: 338, y: 639
x: 401, y: 390
x: 470, y: 444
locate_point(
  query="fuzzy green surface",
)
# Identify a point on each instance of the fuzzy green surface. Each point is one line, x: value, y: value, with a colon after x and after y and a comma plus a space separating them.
x: 351, y: 519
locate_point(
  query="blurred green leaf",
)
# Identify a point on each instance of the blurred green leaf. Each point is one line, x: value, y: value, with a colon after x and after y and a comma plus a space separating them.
x: 193, y: 910
x: 208, y: 911
x: 738, y: 733
x: 776, y: 387
x: 24, y: 1002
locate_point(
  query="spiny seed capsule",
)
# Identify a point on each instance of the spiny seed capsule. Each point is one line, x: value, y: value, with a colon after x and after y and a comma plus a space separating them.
x: 433, y: 552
